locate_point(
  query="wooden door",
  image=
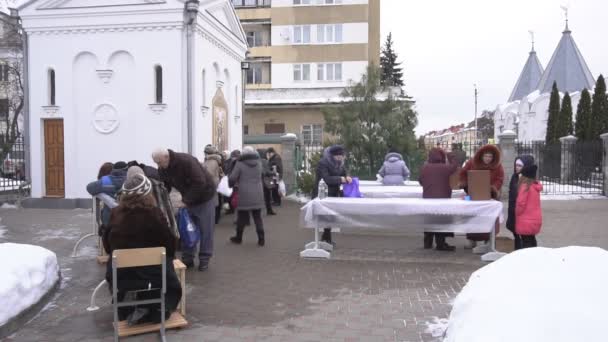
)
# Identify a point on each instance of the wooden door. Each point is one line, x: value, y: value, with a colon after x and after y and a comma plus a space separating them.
x: 53, y: 156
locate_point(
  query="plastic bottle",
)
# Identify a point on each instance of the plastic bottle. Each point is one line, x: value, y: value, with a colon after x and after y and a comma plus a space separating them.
x: 322, y: 189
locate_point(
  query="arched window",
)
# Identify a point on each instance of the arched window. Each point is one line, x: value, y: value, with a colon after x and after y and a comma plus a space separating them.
x: 51, y: 79
x: 158, y: 77
x: 204, y: 89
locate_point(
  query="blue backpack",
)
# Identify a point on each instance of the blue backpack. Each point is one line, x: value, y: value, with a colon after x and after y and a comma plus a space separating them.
x: 189, y: 233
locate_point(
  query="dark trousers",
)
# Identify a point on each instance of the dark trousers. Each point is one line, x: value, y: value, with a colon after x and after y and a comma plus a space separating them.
x: 203, y: 217
x: 218, y: 209
x: 276, y: 196
x: 516, y: 241
x: 243, y: 220
x: 528, y: 241
x: 267, y: 199
x: 439, y: 238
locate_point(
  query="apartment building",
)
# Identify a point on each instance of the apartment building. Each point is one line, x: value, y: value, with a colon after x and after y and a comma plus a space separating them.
x: 302, y: 55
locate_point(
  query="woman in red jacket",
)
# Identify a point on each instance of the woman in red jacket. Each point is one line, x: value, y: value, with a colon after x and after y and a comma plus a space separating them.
x: 528, y: 212
x: 487, y: 158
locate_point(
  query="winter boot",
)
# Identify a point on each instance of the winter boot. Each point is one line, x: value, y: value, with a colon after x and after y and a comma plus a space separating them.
x: 238, y: 238
x: 261, y: 240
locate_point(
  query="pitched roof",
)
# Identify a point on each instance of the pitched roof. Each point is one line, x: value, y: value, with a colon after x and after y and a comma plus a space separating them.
x: 567, y: 67
x: 528, y: 79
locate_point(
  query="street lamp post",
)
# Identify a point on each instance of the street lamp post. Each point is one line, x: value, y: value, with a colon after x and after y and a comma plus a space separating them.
x: 244, y: 67
x: 476, y: 93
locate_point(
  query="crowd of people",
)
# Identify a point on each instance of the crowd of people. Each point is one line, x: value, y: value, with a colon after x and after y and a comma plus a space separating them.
x: 139, y: 220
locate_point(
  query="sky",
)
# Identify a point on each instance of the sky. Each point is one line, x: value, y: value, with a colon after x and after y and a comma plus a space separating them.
x: 446, y: 46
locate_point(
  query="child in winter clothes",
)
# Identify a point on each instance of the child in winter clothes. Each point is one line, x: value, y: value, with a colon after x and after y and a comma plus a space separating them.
x: 528, y: 212
x: 520, y: 162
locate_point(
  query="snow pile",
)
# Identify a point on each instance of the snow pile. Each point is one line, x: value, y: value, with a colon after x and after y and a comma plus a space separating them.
x: 28, y: 273
x: 535, y: 295
x: 298, y: 198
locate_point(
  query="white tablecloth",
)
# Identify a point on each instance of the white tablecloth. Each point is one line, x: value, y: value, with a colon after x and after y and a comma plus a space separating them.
x: 381, y: 191
x: 366, y: 183
x: 438, y: 215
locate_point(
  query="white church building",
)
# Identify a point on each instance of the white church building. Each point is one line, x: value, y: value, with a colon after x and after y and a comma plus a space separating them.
x: 112, y: 80
x: 526, y: 111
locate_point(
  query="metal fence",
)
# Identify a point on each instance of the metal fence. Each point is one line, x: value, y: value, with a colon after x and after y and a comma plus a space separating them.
x: 568, y: 169
x: 12, y: 166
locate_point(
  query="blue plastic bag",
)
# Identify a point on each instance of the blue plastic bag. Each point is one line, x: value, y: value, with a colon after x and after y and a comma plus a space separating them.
x: 189, y: 233
x: 352, y: 189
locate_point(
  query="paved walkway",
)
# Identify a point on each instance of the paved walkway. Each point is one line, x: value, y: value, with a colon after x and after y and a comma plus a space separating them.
x: 379, y: 286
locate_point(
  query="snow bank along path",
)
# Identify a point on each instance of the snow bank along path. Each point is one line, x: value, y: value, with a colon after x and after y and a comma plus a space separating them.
x: 535, y: 295
x: 28, y: 273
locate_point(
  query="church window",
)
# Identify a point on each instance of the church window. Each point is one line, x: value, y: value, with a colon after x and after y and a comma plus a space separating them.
x: 51, y: 79
x: 158, y: 77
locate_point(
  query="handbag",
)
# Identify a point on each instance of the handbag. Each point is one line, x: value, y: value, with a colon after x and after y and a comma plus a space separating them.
x: 223, y: 188
x: 234, y: 200
x: 189, y: 233
x: 352, y: 189
x: 282, y: 189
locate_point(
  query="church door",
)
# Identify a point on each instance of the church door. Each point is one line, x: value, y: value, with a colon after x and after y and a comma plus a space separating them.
x: 53, y: 157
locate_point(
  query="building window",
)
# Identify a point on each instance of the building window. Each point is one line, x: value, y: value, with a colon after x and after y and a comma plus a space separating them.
x: 329, y: 33
x: 312, y: 134
x: 51, y: 77
x: 246, y: 130
x: 255, y: 38
x: 254, y: 73
x: 330, y: 2
x: 4, y: 72
x: 3, y: 108
x: 301, y: 2
x: 301, y: 34
x: 274, y: 128
x: 301, y: 72
x: 329, y: 72
x: 158, y: 78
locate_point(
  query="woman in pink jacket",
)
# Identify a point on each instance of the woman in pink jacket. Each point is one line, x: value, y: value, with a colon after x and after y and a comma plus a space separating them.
x: 528, y: 212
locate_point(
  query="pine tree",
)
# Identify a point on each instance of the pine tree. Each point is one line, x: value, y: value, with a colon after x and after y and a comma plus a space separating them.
x: 564, y: 124
x: 599, y: 110
x: 553, y: 120
x: 392, y: 74
x: 583, y: 117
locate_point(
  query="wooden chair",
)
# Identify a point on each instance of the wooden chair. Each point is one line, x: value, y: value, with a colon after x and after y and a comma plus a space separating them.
x: 139, y: 257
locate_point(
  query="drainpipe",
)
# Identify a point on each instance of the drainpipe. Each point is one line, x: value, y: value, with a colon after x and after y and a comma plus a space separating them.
x: 191, y: 13
x: 26, y: 96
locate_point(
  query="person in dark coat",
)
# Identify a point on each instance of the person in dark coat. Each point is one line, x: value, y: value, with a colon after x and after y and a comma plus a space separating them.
x: 213, y: 163
x: 268, y: 182
x: 110, y: 185
x: 198, y: 190
x: 228, y: 166
x: 247, y: 176
x: 458, y: 154
x: 137, y: 222
x: 487, y: 158
x: 149, y: 171
x: 276, y: 165
x: 332, y: 171
x: 435, y: 180
x: 520, y: 163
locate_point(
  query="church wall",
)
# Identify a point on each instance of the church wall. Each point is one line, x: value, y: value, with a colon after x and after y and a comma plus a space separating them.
x: 105, y: 85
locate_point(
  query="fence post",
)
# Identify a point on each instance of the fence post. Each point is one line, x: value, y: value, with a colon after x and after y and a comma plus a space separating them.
x: 568, y: 158
x: 288, y: 146
x: 506, y: 143
x: 605, y: 163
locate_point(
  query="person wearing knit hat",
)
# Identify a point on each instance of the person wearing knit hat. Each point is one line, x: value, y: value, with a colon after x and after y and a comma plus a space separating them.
x: 332, y: 171
x: 138, y: 223
x: 134, y: 170
x: 520, y: 163
x: 275, y: 162
x: 213, y: 163
x: 528, y: 212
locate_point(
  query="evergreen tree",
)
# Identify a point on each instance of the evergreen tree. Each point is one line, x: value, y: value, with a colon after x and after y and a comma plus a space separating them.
x: 564, y: 124
x: 553, y: 120
x: 583, y: 117
x: 392, y: 74
x: 599, y: 110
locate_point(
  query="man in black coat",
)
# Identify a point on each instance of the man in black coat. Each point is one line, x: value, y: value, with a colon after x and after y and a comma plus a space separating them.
x: 198, y: 190
x: 276, y: 164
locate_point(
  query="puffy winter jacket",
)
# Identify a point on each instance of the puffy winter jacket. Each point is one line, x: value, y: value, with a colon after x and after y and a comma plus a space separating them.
x: 394, y: 171
x: 528, y: 212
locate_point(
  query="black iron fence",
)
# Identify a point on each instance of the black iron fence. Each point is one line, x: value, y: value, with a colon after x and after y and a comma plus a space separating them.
x: 574, y: 168
x: 12, y: 166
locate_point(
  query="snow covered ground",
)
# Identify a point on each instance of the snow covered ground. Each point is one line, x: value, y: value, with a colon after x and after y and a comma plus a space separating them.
x: 28, y: 273
x: 534, y: 295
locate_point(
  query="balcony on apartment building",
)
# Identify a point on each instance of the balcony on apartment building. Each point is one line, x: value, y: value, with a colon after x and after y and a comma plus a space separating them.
x: 258, y: 38
x: 259, y: 74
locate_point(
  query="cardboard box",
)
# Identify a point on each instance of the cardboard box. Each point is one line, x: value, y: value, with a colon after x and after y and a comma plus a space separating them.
x: 479, y: 185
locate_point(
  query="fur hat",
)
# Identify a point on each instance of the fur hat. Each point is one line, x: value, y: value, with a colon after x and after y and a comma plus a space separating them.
x: 529, y: 171
x: 120, y: 165
x: 134, y: 170
x: 137, y: 186
x: 210, y: 149
x: 337, y: 150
